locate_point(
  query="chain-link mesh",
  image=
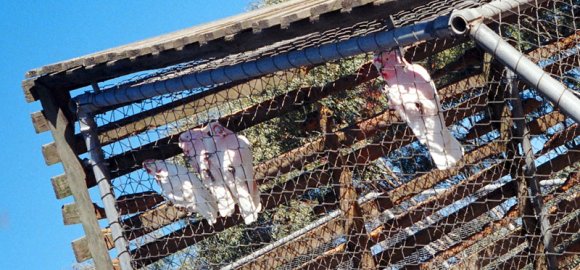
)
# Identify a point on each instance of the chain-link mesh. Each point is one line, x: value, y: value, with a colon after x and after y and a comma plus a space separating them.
x: 344, y: 182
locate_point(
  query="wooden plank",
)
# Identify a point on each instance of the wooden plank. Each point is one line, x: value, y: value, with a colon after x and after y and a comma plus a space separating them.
x: 39, y: 122
x: 60, y: 186
x: 62, y: 132
x: 138, y: 202
x: 560, y: 138
x: 49, y: 154
x: 70, y: 213
x: 81, y: 247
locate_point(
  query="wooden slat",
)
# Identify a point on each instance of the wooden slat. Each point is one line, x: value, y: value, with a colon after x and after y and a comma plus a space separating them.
x: 60, y: 186
x: 62, y: 131
x: 70, y: 213
x: 49, y: 154
x: 138, y: 202
x: 81, y: 246
x: 560, y: 138
x: 39, y: 122
x: 430, y: 179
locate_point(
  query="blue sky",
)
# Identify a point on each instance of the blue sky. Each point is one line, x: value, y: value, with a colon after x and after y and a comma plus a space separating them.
x: 37, y: 33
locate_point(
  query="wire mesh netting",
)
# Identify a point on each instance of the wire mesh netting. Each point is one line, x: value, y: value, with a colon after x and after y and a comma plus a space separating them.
x: 345, y: 180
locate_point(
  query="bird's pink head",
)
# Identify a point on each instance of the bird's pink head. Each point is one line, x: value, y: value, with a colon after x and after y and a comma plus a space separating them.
x: 216, y: 129
x: 392, y: 58
x: 187, y: 138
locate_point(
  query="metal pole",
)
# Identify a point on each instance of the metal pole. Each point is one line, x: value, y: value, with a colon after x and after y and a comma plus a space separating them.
x: 527, y: 70
x: 380, y: 41
x: 531, y: 182
x: 440, y: 27
x: 88, y: 130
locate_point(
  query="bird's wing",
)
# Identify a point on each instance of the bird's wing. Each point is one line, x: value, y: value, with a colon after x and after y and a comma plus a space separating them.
x: 247, y: 160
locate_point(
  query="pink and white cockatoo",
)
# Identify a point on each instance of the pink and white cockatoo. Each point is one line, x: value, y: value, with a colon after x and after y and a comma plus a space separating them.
x: 183, y: 188
x: 200, y: 147
x: 413, y: 95
x: 237, y: 162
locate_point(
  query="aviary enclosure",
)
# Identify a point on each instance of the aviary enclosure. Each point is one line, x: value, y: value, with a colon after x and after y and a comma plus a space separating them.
x: 344, y: 181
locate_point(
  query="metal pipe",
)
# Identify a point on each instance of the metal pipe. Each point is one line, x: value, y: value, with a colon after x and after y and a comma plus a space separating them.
x: 440, y: 27
x: 88, y: 130
x: 380, y: 41
x: 531, y: 182
x: 527, y: 70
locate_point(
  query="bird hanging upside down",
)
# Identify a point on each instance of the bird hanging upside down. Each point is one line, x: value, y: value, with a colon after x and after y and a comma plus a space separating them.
x: 226, y: 157
x: 183, y: 188
x: 200, y: 148
x: 412, y: 93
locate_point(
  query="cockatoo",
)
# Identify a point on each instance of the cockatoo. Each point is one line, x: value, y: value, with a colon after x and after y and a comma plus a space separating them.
x: 236, y: 155
x: 200, y: 147
x: 183, y: 188
x: 413, y: 95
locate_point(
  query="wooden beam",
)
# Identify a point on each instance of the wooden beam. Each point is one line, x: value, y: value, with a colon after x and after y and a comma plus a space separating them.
x: 63, y: 131
x: 81, y: 246
x: 60, y: 186
x: 560, y: 138
x: 370, y: 208
x: 39, y: 122
x: 70, y: 213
